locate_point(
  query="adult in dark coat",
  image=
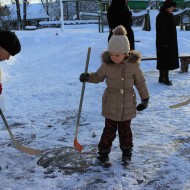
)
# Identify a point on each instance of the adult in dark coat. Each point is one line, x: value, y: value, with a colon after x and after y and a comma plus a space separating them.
x: 166, y: 42
x: 119, y: 14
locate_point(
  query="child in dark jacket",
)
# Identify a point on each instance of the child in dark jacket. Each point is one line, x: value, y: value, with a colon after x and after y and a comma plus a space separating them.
x: 120, y: 68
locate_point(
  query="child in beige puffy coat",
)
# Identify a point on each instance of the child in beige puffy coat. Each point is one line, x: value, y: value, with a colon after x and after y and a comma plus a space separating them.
x: 120, y: 68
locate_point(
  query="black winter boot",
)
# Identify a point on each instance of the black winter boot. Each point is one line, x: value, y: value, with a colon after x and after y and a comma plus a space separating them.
x: 103, y: 159
x: 126, y: 156
x: 160, y: 80
x: 161, y: 77
x: 166, y: 78
x: 168, y: 82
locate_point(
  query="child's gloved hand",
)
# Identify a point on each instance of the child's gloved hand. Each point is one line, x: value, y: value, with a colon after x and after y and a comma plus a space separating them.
x: 1, y: 88
x: 143, y: 105
x: 84, y: 77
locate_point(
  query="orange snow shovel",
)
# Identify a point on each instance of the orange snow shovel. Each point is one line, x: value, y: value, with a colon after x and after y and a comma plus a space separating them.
x: 76, y: 143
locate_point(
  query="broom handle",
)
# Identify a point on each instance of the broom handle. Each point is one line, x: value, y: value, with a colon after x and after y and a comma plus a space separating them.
x: 82, y: 93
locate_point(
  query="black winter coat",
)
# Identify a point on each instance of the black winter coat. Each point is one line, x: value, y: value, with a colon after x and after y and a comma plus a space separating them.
x: 166, y: 41
x: 119, y: 14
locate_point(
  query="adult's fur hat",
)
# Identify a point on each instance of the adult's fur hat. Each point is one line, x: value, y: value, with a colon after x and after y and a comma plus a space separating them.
x: 9, y: 42
x: 169, y: 3
x: 119, y: 42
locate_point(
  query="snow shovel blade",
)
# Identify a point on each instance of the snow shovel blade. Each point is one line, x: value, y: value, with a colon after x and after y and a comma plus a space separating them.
x: 77, y: 145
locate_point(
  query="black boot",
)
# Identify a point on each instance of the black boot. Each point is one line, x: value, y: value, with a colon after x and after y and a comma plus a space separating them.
x: 168, y: 82
x: 126, y: 156
x: 103, y: 159
x: 161, y: 77
x: 166, y: 78
x: 160, y: 80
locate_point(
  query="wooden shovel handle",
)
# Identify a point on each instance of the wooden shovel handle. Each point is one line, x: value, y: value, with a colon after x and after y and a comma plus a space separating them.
x: 76, y: 144
x: 180, y: 104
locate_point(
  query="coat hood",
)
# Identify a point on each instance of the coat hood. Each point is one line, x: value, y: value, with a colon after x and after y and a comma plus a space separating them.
x: 134, y: 57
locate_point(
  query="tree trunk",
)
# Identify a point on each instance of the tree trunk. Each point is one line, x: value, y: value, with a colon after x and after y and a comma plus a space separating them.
x: 77, y: 10
x: 24, y: 13
x: 46, y: 4
x: 18, y: 14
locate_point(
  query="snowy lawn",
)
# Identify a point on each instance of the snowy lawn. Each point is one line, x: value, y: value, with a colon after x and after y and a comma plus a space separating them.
x: 42, y: 93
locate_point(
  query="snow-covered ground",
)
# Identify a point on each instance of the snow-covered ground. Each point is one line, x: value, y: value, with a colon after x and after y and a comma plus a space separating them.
x: 42, y: 92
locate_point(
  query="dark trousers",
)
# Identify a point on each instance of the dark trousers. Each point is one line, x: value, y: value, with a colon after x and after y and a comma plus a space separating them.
x: 109, y: 134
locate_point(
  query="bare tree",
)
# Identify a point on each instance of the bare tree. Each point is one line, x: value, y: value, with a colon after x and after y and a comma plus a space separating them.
x: 71, y: 9
x: 1, y: 13
x: 25, y: 2
x: 56, y: 10
x: 1, y: 9
x: 77, y: 10
x: 18, y: 14
x: 47, y: 6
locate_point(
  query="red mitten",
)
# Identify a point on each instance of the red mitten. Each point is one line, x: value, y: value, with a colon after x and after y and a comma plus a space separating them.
x: 1, y: 88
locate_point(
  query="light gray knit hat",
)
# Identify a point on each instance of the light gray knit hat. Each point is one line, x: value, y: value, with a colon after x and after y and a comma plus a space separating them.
x: 119, y: 42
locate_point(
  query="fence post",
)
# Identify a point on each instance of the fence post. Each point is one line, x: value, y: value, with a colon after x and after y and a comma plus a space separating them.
x: 99, y: 23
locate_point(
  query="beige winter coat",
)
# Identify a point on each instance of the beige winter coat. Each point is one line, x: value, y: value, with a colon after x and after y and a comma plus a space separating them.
x: 119, y: 98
